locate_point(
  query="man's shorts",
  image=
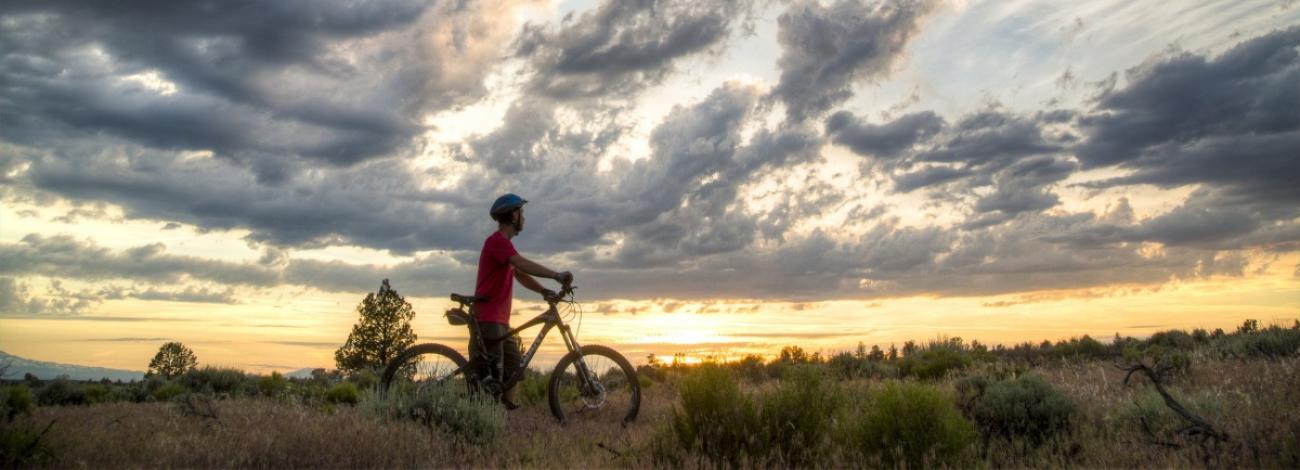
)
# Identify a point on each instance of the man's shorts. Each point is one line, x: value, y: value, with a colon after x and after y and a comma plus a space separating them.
x: 509, y: 348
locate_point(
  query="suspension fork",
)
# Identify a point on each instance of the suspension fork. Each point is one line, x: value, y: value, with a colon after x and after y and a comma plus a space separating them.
x: 572, y: 343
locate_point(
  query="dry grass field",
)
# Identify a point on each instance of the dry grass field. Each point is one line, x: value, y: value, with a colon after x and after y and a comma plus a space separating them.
x: 1255, y: 402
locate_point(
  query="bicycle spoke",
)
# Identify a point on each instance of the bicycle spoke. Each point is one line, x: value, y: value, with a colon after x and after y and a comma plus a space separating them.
x: 606, y: 396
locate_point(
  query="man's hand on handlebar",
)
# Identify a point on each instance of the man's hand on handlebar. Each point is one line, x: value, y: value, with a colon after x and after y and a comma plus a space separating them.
x: 565, y: 278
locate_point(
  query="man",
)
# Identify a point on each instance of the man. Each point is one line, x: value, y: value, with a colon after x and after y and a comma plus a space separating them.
x: 498, y: 266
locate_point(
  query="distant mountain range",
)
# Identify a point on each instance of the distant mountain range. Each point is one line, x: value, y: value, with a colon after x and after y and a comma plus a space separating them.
x: 19, y: 366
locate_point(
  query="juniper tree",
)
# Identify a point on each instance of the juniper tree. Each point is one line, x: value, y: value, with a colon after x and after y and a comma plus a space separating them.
x: 383, y: 331
x: 172, y: 360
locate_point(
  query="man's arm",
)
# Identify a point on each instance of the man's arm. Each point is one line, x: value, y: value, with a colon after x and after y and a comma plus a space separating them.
x: 530, y: 267
x: 529, y: 282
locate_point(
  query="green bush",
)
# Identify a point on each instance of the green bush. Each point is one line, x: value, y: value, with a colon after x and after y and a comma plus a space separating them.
x: 476, y: 419
x: 274, y: 385
x: 214, y: 380
x: 169, y: 391
x: 795, y: 418
x: 1149, y: 411
x: 97, y: 393
x: 1173, y: 339
x: 909, y: 424
x: 21, y: 445
x: 714, y: 420
x: 1026, y: 407
x: 1271, y: 343
x: 343, y: 392
x: 933, y: 363
x: 16, y: 400
x: 531, y: 390
x: 61, y: 392
x: 364, y: 378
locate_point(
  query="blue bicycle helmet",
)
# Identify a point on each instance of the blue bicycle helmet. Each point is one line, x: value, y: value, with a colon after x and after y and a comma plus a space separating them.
x: 506, y: 203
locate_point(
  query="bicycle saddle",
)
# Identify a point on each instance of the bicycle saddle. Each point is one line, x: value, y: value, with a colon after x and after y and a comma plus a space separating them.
x: 469, y: 299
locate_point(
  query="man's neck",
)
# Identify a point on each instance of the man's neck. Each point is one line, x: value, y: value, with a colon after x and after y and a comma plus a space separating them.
x: 508, y: 231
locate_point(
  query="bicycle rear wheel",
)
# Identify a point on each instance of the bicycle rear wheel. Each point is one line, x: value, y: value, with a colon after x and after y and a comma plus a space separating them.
x: 611, y: 393
x: 426, y: 364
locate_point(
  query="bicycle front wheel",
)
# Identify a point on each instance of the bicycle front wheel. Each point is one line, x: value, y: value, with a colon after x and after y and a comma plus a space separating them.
x: 609, y: 391
x: 426, y: 364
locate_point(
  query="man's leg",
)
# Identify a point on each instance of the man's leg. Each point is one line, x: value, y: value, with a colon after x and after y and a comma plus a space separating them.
x: 514, y: 359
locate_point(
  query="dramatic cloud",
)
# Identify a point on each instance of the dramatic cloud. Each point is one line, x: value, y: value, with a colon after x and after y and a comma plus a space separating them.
x: 623, y: 46
x: 826, y: 49
x: 1232, y: 121
x: 307, y: 125
x: 203, y: 76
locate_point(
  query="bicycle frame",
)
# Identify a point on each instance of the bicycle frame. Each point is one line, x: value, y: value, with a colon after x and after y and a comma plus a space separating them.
x: 548, y: 319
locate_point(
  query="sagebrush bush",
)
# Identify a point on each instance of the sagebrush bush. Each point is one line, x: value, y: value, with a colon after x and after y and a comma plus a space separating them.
x: 15, y: 400
x: 933, y: 364
x: 343, y: 393
x: 476, y: 419
x: 910, y: 424
x: 274, y: 385
x: 1026, y: 407
x: 795, y: 418
x: 1149, y: 411
x: 215, y: 380
x: 531, y: 390
x: 21, y: 445
x: 61, y: 392
x: 97, y: 393
x: 713, y: 419
x: 169, y: 391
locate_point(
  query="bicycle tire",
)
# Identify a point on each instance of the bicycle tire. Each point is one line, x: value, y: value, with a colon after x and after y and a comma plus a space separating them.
x: 622, y: 388
x: 433, y: 354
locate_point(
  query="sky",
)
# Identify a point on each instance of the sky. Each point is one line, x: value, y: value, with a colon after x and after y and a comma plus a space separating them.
x: 722, y: 177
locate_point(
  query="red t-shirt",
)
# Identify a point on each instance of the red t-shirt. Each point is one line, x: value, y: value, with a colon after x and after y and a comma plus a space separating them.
x: 496, y: 279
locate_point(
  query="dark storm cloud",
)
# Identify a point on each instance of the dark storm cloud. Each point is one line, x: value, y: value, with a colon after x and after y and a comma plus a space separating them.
x: 827, y: 49
x: 623, y: 46
x: 64, y: 256
x: 1013, y: 152
x: 263, y: 84
x: 1232, y: 122
x: 377, y: 204
x: 155, y: 275
x: 581, y: 65
x: 682, y: 202
x: 1207, y: 220
x: 909, y: 182
x: 884, y: 140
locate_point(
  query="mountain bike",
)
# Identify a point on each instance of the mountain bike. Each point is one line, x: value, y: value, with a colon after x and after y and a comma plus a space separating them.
x: 589, y: 383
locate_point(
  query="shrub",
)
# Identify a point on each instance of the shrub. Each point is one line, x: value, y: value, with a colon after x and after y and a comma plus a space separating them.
x: 21, y: 446
x: 168, y: 391
x: 15, y: 400
x: 364, y: 378
x: 910, y: 424
x: 933, y: 363
x: 713, y: 419
x: 61, y: 392
x: 274, y: 385
x: 476, y: 419
x: 213, y: 380
x: 795, y: 418
x: 1148, y: 411
x: 1026, y: 407
x: 97, y: 393
x: 531, y: 390
x: 343, y: 392
x: 1173, y: 339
